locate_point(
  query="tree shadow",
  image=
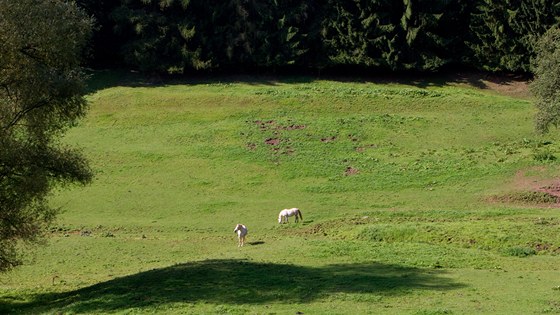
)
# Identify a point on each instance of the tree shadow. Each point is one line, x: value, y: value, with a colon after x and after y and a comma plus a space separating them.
x: 102, y: 79
x: 235, y: 282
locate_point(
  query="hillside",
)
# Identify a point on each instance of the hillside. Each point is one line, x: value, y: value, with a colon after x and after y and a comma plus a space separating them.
x: 419, y: 196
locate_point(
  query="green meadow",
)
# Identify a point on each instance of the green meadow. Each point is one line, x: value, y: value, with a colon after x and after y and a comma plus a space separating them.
x: 418, y: 197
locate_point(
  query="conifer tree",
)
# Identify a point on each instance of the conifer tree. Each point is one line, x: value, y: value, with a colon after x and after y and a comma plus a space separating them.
x: 503, y: 32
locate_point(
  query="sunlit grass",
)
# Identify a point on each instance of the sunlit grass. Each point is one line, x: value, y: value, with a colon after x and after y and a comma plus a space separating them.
x: 395, y: 183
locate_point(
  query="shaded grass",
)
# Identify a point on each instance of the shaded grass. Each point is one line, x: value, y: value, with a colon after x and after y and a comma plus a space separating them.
x: 239, y: 282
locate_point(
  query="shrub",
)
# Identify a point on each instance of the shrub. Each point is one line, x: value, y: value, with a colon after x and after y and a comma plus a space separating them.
x: 518, y: 251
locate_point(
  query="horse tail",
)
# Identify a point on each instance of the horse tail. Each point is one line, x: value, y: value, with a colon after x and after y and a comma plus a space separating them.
x: 300, y: 216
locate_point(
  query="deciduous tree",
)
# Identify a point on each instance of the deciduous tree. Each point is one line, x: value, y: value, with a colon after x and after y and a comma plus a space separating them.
x: 546, y: 85
x: 41, y: 96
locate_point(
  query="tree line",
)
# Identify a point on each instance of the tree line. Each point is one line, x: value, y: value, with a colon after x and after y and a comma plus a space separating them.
x: 181, y: 36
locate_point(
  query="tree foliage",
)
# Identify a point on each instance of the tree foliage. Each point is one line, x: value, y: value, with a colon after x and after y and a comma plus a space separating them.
x: 173, y: 35
x: 397, y: 35
x: 41, y: 85
x: 503, y: 32
x: 421, y: 35
x: 546, y: 85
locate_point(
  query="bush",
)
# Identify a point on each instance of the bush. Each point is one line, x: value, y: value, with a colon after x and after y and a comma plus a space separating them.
x: 518, y: 251
x: 546, y: 86
x: 544, y: 156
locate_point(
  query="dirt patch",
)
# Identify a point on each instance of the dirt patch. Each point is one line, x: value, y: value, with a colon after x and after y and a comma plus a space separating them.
x: 264, y: 125
x: 272, y: 124
x: 528, y: 197
x: 272, y: 141
x: 549, y: 186
x: 276, y: 139
x: 290, y: 127
x: 350, y: 171
x: 328, y: 139
x: 552, y: 189
x: 545, y: 247
x: 532, y: 190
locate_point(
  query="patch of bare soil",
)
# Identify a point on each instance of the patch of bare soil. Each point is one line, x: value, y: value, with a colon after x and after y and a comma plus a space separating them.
x: 272, y: 141
x: 532, y: 190
x: 533, y: 183
x: 350, y: 171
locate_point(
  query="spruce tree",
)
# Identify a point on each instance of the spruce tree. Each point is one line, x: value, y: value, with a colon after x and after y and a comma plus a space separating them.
x: 503, y: 32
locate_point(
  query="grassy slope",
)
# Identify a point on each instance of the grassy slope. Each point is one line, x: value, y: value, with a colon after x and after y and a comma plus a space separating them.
x: 392, y: 180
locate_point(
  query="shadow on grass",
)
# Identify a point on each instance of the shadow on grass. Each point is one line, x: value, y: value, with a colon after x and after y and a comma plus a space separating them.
x: 234, y: 282
x: 101, y: 79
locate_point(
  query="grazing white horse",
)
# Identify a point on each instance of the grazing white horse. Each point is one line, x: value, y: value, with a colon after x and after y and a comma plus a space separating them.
x: 241, y: 231
x: 284, y: 214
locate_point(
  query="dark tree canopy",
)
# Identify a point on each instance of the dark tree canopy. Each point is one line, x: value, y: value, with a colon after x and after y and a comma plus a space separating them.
x: 41, y: 87
x: 180, y: 36
x: 503, y: 32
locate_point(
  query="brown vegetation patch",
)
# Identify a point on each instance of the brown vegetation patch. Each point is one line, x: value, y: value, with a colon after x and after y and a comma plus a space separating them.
x: 272, y: 141
x: 328, y: 139
x: 552, y: 189
x: 527, y: 197
x: 350, y: 171
x: 264, y: 125
x: 532, y: 190
x: 545, y: 248
x: 272, y: 124
x: 290, y: 127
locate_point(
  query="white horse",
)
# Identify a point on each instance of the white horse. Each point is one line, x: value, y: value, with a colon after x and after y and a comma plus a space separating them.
x: 284, y: 214
x: 241, y: 231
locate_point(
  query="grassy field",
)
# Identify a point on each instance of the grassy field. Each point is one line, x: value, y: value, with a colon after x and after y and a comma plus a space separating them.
x: 418, y: 197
